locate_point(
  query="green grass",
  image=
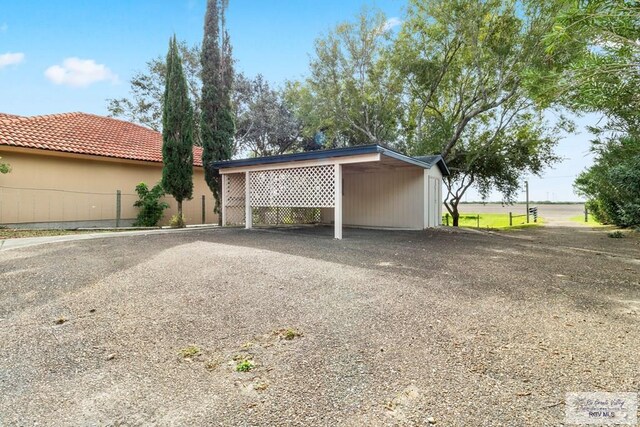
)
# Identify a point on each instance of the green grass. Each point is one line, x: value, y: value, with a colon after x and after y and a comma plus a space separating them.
x: 580, y: 218
x: 493, y: 220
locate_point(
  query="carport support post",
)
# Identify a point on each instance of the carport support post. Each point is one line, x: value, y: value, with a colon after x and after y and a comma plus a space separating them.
x: 337, y: 211
x: 223, y: 200
x: 248, y: 221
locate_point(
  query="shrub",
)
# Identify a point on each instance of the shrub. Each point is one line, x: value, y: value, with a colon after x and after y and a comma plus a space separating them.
x: 245, y: 366
x: 612, y: 183
x: 177, y: 221
x: 151, y: 208
x: 4, y: 167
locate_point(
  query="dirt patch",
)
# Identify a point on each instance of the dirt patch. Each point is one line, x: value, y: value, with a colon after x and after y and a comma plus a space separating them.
x: 13, y: 233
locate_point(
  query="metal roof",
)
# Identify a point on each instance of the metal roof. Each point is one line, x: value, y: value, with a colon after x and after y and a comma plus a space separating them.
x: 426, y: 162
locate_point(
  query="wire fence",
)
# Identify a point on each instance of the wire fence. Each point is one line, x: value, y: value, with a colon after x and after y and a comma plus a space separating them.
x: 54, y: 208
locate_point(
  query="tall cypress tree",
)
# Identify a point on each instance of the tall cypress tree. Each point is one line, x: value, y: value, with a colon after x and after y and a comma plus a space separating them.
x: 216, y: 121
x: 177, y: 131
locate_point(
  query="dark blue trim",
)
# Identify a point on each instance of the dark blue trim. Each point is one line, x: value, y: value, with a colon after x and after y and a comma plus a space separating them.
x: 325, y: 154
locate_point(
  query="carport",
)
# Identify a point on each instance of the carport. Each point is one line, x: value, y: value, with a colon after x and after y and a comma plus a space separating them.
x: 362, y: 186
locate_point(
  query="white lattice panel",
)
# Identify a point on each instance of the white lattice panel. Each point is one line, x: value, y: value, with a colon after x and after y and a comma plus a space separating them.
x: 305, y: 187
x: 234, y: 199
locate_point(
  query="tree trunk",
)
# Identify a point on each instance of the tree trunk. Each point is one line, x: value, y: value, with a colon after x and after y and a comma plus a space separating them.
x: 455, y: 214
x: 180, y: 209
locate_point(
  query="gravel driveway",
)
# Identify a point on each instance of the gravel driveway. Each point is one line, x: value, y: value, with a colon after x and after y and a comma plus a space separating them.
x: 381, y: 328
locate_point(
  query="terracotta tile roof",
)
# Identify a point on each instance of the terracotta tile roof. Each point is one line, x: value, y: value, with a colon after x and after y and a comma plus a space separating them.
x: 6, y: 116
x: 83, y: 133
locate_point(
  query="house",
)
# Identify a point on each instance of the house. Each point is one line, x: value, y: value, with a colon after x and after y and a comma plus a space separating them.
x: 67, y: 170
x: 363, y: 186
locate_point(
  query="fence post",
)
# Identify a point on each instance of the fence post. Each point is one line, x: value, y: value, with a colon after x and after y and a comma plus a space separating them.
x: 586, y: 214
x: 446, y: 217
x: 510, y: 219
x: 204, y: 215
x: 118, y: 207
x: 527, y: 190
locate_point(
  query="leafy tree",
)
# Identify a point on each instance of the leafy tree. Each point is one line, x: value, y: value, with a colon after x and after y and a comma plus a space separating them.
x: 4, y: 167
x: 612, y: 184
x: 355, y: 96
x: 151, y: 208
x: 177, y: 131
x: 463, y: 63
x: 217, y: 128
x: 266, y: 123
x: 147, y: 91
x: 594, y: 44
x: 600, y: 38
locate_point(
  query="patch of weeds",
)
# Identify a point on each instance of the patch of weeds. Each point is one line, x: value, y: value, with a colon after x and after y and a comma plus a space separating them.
x: 260, y: 386
x: 60, y: 321
x: 616, y: 234
x: 240, y: 356
x: 189, y: 351
x: 245, y: 366
x: 177, y: 221
x: 289, y: 333
x: 212, y: 364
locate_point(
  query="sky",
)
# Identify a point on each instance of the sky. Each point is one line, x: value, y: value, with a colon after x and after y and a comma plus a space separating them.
x: 68, y: 56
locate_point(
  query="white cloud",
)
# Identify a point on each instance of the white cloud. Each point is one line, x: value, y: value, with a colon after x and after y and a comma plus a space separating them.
x: 79, y: 73
x: 391, y: 23
x: 9, y: 58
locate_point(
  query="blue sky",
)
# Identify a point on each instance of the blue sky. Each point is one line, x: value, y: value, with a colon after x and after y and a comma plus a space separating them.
x: 73, y: 55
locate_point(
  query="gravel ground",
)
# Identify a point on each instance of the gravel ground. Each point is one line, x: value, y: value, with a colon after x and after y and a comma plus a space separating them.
x: 398, y: 328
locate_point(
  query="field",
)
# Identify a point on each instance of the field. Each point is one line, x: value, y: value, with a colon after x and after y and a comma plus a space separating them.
x: 553, y: 215
x: 493, y: 220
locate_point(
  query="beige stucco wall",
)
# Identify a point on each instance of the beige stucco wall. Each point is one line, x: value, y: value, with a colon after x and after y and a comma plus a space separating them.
x: 45, y: 186
x: 391, y: 198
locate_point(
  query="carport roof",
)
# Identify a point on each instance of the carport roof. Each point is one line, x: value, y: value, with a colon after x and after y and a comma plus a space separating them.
x: 426, y: 162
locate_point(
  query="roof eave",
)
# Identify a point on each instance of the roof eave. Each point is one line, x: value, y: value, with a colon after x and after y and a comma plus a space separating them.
x: 338, y: 152
x: 295, y: 157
